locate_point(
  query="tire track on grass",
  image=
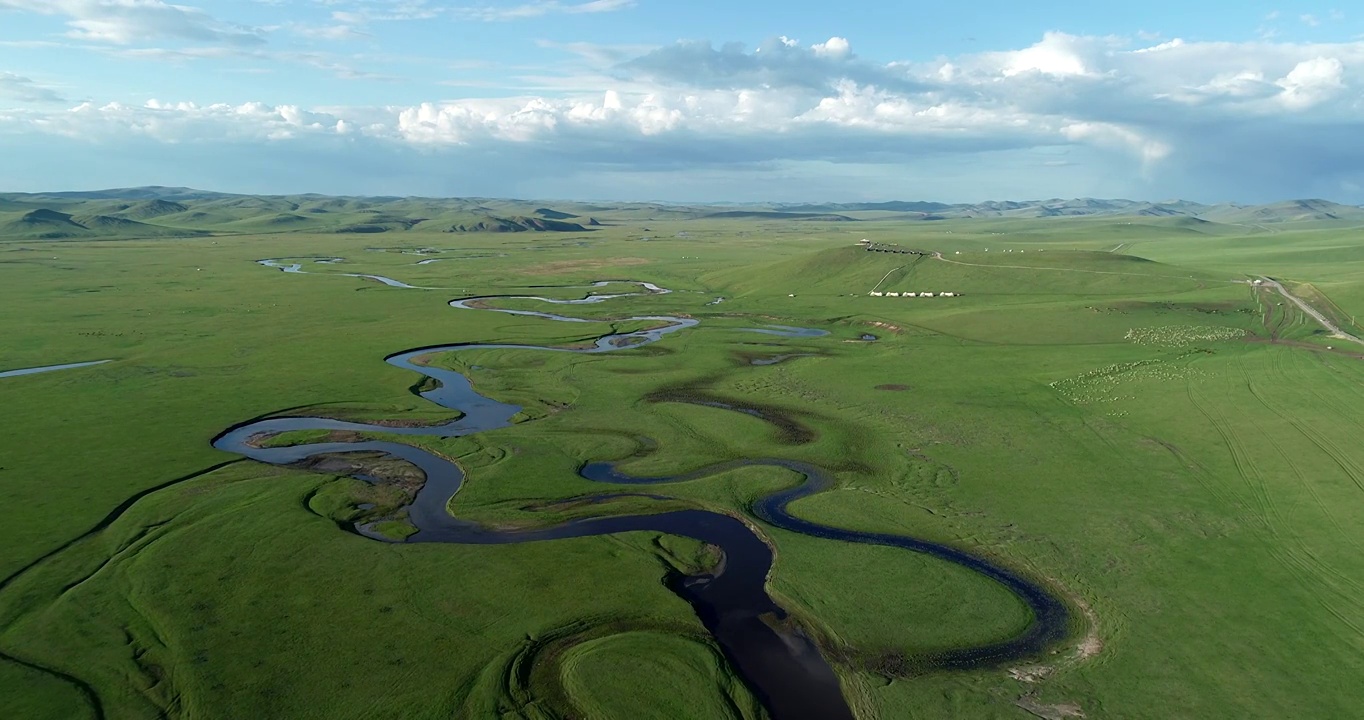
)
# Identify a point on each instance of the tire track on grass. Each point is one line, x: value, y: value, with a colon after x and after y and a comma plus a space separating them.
x: 1303, y: 554
x: 1251, y: 477
x: 1353, y: 589
x: 1335, y: 330
x: 1352, y: 470
x: 1323, y: 581
x: 1285, y: 547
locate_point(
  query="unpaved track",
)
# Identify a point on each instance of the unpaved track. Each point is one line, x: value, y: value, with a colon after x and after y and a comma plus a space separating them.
x: 883, y: 278
x: 1325, y: 322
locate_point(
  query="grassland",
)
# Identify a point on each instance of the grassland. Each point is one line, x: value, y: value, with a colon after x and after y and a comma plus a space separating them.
x: 1110, y: 408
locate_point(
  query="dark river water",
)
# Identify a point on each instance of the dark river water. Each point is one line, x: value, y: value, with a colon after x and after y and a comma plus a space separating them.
x: 777, y: 660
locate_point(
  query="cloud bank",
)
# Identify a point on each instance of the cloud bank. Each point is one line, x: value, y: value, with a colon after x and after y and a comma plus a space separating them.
x: 1210, y: 120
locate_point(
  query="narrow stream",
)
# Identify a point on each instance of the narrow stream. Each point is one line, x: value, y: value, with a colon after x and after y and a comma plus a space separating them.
x: 778, y: 661
x: 297, y: 268
x: 49, y: 368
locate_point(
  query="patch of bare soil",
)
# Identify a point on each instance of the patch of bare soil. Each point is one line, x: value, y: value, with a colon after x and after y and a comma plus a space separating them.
x: 381, y: 422
x: 261, y: 440
x: 1031, y: 673
x: 563, y: 266
x: 1092, y: 643
x: 886, y: 326
x: 1060, y: 711
x: 409, y: 423
x: 1088, y: 647
x: 383, y: 468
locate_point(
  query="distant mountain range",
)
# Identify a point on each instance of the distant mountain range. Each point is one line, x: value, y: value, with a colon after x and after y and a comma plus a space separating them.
x: 185, y: 212
x: 1280, y: 212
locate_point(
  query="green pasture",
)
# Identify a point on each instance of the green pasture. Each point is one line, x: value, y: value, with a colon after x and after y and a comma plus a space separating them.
x: 1103, y: 409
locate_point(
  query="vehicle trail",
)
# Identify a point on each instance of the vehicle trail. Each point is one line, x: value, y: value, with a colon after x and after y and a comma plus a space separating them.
x: 1335, y: 330
x: 1285, y: 547
x: 883, y: 278
x: 1348, y: 467
x: 1331, y: 587
x: 1245, y: 467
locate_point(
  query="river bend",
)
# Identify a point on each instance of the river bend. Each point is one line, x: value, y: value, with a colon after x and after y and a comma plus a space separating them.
x: 778, y: 661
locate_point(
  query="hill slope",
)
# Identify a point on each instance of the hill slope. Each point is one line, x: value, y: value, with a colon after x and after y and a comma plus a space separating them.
x: 515, y: 224
x: 164, y: 211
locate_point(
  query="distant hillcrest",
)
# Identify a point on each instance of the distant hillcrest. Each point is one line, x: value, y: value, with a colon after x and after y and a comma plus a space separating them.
x: 149, y: 212
x: 1286, y: 211
x: 46, y: 224
x: 517, y: 224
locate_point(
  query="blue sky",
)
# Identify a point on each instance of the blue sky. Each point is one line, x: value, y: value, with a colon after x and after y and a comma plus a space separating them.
x: 687, y: 101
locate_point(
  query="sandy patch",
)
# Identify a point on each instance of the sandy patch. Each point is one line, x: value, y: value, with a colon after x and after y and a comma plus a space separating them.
x: 1088, y: 647
x: 1031, y: 673
x: 1060, y: 711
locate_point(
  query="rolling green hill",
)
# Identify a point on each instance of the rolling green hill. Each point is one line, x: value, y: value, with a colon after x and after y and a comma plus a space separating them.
x: 1110, y: 408
x: 775, y: 215
x: 165, y: 212
x: 515, y: 224
x: 1292, y: 211
x: 45, y: 224
x: 151, y: 209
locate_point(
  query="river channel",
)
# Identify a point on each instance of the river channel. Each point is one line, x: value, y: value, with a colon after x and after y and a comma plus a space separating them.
x: 777, y: 660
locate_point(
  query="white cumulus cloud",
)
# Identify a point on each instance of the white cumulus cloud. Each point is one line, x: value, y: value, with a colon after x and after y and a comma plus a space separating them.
x: 1058, y: 54
x: 835, y: 47
x: 127, y: 21
x: 1311, y: 82
x: 1218, y: 114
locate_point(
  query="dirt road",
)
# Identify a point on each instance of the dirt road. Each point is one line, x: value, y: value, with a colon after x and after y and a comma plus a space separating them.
x: 1325, y: 322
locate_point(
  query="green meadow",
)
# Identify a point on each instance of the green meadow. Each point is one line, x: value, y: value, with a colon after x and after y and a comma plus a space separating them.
x: 1110, y: 407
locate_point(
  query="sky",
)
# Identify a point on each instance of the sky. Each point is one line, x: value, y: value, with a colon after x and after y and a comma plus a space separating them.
x: 688, y: 101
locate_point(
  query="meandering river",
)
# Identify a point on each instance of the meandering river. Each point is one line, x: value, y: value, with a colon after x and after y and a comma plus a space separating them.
x: 783, y: 667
